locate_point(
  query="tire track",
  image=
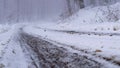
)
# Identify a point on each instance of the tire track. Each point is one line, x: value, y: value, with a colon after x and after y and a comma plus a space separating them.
x: 47, y: 55
x: 82, y: 32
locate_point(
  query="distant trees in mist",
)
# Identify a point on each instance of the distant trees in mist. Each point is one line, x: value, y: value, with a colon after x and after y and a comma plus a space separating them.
x: 33, y: 10
x: 75, y: 5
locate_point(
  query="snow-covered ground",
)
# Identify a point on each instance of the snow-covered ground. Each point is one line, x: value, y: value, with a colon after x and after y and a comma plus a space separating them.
x: 86, y: 20
x: 11, y: 54
x: 108, y: 45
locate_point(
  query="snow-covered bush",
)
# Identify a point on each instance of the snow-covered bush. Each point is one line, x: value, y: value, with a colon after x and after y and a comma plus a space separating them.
x: 2, y: 66
x: 112, y: 14
x: 116, y: 28
x: 109, y: 13
x: 4, y: 28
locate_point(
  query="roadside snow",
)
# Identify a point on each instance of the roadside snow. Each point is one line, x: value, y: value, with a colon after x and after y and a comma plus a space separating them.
x: 109, y: 45
x: 11, y: 54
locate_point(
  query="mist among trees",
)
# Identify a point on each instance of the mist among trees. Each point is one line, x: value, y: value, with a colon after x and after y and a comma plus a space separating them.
x: 35, y: 10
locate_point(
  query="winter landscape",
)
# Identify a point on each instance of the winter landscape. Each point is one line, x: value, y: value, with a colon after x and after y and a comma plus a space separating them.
x: 59, y: 34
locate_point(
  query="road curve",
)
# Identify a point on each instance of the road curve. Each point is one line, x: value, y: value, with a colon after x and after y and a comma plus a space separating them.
x: 45, y: 54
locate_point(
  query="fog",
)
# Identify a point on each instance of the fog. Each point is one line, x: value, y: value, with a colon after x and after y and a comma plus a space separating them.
x: 52, y: 8
x: 35, y: 10
x: 30, y: 10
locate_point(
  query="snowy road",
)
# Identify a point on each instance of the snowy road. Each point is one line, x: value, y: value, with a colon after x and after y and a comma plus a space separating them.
x: 52, y: 54
x: 36, y: 51
x: 48, y: 55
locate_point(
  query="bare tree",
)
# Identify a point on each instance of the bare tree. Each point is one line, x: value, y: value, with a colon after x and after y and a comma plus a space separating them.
x: 18, y: 11
x: 74, y: 5
x: 4, y: 8
x: 80, y: 3
x: 69, y: 7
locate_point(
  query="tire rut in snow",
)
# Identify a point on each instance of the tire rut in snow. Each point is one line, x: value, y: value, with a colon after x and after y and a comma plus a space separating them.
x: 83, y: 32
x: 52, y: 56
